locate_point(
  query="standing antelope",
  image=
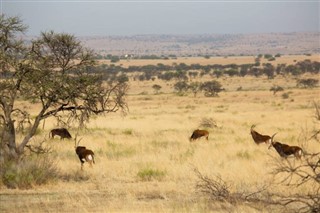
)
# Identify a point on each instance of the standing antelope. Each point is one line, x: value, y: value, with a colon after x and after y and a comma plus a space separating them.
x: 257, y: 137
x: 84, y: 154
x: 285, y: 150
x: 198, y: 134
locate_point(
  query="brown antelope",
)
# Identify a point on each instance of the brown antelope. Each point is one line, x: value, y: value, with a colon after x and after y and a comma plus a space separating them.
x: 257, y: 137
x: 62, y: 132
x: 84, y: 154
x: 285, y: 150
x: 198, y: 134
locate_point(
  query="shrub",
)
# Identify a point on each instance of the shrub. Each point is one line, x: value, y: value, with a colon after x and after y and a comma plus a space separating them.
x: 208, y: 123
x: 211, y: 88
x: 276, y: 89
x: 310, y: 82
x: 285, y: 95
x: 181, y: 87
x: 28, y: 171
x: 156, y: 88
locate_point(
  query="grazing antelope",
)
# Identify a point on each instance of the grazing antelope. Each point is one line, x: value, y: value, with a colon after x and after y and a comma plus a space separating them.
x: 62, y: 132
x: 198, y: 134
x: 257, y: 137
x: 285, y: 150
x: 84, y: 154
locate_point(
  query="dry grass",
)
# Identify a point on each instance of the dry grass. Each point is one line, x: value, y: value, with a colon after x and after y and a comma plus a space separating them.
x: 145, y: 162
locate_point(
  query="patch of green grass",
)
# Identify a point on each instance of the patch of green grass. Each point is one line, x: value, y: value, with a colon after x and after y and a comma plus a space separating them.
x: 148, y: 174
x: 243, y: 155
x: 127, y: 132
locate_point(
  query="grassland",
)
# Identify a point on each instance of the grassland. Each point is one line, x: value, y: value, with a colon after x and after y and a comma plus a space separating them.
x: 145, y: 161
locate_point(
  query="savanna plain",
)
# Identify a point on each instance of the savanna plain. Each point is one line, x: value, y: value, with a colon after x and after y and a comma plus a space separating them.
x: 144, y: 161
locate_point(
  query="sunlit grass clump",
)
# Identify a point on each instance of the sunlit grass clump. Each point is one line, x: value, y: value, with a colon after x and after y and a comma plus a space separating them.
x: 148, y: 174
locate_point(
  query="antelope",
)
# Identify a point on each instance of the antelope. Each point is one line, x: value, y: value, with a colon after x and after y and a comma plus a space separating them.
x: 285, y: 150
x: 257, y: 137
x: 62, y: 132
x: 198, y: 134
x: 84, y: 154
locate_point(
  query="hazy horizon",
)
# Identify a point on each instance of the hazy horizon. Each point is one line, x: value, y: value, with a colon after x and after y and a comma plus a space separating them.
x: 130, y: 18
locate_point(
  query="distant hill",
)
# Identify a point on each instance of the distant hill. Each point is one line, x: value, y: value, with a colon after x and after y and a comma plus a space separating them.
x: 207, y: 44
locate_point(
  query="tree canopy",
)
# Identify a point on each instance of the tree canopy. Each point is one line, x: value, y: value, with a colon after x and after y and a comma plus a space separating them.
x: 49, y: 72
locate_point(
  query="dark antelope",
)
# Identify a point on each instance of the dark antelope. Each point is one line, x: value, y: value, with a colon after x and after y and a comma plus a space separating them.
x: 198, y: 134
x: 257, y: 137
x: 84, y: 154
x: 62, y: 132
x: 285, y: 150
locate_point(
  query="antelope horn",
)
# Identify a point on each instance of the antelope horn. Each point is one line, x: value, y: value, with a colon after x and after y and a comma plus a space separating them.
x: 75, y: 141
x: 272, y: 139
x: 79, y: 141
x: 273, y: 136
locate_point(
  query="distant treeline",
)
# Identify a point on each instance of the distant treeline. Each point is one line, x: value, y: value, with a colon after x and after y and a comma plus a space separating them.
x: 183, y: 71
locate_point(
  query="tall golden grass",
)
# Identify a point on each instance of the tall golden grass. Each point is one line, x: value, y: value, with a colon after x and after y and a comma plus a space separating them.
x: 145, y: 161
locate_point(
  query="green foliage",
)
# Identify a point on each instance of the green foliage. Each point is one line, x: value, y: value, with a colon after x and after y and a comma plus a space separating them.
x: 211, y: 88
x: 122, y: 78
x: 181, y: 87
x: 114, y: 59
x: 308, y: 83
x: 232, y: 72
x: 218, y: 73
x: 268, y: 56
x: 156, y: 88
x: 148, y: 174
x: 56, y: 71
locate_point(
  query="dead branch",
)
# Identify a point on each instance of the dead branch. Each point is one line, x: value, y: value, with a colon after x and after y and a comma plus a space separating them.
x: 39, y: 148
x: 219, y: 190
x: 216, y: 188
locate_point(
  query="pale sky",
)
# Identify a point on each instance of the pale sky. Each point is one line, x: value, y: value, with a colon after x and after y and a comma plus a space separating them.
x: 130, y: 17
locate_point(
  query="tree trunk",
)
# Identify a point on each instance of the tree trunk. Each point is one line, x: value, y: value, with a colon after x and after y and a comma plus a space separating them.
x: 8, y: 143
x: 32, y: 132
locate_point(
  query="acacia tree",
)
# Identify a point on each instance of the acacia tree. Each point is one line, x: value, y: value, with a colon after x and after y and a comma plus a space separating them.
x: 50, y: 73
x: 211, y: 88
